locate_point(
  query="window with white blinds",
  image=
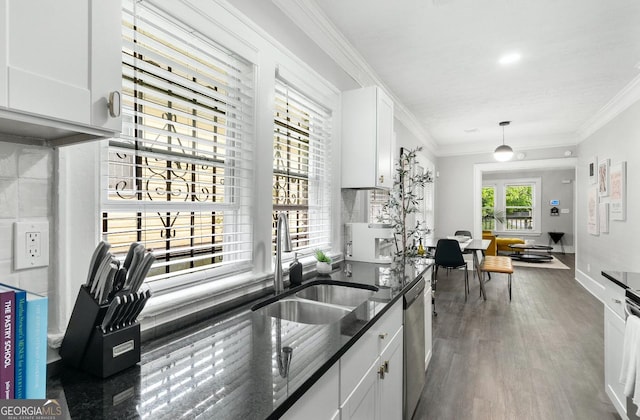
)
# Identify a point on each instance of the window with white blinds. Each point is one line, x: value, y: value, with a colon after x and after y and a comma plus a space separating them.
x: 301, y: 168
x: 179, y: 178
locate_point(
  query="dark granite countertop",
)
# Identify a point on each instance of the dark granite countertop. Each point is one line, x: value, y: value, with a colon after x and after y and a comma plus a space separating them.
x: 624, y: 279
x: 227, y: 367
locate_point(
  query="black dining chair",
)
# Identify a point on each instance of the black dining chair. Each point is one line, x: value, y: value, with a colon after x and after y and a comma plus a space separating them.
x: 449, y: 255
x: 467, y: 233
x: 464, y: 233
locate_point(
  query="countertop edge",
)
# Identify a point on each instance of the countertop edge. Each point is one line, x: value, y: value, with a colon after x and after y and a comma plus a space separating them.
x: 302, y: 389
x: 609, y: 277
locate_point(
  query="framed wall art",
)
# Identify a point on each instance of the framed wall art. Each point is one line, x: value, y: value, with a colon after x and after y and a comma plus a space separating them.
x: 603, y: 217
x: 603, y: 178
x: 592, y: 169
x: 618, y: 191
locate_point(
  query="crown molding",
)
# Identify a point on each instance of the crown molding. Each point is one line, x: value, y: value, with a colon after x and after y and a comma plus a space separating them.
x: 560, y: 141
x: 629, y: 95
x: 314, y: 22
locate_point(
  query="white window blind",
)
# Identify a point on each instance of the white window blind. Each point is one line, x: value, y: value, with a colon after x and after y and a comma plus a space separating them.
x: 179, y: 178
x: 301, y: 168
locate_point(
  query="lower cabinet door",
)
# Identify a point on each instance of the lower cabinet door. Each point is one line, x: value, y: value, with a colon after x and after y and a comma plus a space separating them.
x: 321, y: 399
x: 362, y: 402
x: 390, y: 383
x: 428, y: 317
x: 613, y: 344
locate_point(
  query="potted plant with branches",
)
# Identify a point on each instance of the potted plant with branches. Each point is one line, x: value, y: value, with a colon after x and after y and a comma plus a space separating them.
x: 404, y: 200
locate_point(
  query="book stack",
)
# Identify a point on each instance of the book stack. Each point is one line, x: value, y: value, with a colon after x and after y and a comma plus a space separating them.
x: 23, y: 344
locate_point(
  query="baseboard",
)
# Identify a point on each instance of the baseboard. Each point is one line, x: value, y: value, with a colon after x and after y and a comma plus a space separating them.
x: 592, y: 286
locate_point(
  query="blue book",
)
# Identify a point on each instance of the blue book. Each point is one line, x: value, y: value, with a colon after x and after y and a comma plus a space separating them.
x: 36, y: 347
x: 20, y: 327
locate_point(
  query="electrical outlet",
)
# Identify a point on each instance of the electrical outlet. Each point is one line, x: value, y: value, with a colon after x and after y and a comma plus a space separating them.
x: 31, y: 245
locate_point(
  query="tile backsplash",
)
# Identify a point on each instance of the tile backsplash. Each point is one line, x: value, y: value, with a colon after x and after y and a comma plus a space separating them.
x: 26, y: 193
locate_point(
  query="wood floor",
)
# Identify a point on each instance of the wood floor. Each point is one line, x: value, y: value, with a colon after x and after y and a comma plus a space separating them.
x: 539, y: 357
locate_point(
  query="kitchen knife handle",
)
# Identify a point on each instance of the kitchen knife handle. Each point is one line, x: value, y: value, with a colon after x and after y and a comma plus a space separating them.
x: 109, y: 315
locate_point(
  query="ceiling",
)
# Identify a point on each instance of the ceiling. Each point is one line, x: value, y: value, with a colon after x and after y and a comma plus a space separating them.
x: 439, y: 58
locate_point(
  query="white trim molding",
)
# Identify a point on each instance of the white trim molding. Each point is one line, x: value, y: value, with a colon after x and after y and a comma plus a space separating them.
x: 314, y: 22
x: 592, y: 286
x: 629, y: 95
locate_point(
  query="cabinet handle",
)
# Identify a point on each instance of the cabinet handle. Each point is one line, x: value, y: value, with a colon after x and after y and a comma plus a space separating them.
x: 381, y: 179
x: 382, y: 336
x: 616, y: 300
x: 114, y: 104
x: 386, y: 366
x: 381, y: 372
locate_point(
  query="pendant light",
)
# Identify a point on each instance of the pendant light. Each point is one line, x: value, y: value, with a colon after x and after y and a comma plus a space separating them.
x: 503, y: 152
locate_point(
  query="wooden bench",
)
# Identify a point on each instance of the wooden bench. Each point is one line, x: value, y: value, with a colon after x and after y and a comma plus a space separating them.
x: 497, y: 264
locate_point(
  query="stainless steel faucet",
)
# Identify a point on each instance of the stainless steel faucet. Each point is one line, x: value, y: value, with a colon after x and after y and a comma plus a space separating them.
x: 283, y: 223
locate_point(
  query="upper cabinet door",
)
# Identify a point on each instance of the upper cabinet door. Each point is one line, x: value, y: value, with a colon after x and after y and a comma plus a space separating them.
x: 106, y: 62
x: 367, y: 139
x: 60, y: 64
x: 3, y: 57
x: 384, y: 140
x: 48, y: 59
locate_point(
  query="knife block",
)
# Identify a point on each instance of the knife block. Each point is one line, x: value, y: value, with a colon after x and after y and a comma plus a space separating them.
x: 86, y: 347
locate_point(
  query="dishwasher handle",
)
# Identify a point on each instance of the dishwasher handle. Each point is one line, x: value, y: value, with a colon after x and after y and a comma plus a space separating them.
x: 414, y: 293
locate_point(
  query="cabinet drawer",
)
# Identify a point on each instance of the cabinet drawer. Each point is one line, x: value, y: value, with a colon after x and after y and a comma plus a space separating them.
x: 387, y: 327
x: 614, y: 299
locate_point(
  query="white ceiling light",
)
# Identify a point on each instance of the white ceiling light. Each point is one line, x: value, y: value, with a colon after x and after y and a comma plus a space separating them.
x: 510, y: 58
x: 503, y: 152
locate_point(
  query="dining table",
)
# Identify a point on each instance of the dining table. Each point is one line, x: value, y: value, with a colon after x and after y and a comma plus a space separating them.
x: 476, y: 246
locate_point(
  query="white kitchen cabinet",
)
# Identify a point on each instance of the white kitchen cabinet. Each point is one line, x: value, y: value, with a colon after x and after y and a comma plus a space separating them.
x: 367, y: 139
x: 371, y: 372
x: 321, y: 399
x: 614, y: 327
x: 361, y: 403
x: 390, y: 379
x: 61, y: 62
x: 428, y: 316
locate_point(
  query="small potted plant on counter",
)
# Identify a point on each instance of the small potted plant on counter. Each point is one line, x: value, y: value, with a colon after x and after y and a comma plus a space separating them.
x: 323, y: 264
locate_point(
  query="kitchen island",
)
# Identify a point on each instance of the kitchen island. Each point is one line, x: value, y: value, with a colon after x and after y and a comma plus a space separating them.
x: 231, y: 366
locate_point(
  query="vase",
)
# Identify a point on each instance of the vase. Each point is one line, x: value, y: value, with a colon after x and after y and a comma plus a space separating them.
x: 323, y: 267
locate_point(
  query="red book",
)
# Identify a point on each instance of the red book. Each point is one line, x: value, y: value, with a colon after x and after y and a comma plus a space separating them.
x: 7, y: 311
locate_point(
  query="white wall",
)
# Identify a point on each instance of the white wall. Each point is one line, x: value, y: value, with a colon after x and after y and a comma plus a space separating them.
x: 26, y: 193
x: 619, y: 140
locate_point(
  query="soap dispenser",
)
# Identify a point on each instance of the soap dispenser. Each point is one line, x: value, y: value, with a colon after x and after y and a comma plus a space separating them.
x: 295, y: 271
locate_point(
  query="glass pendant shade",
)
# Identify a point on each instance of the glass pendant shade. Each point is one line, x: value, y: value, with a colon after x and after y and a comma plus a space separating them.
x: 503, y: 153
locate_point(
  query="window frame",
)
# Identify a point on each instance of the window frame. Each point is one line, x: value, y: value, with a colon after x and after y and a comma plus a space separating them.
x: 500, y: 186
x: 319, y: 175
x: 230, y: 208
x: 494, y: 222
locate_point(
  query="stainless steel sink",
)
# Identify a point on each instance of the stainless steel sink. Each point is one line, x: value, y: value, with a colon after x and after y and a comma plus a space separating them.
x: 305, y: 312
x: 350, y: 297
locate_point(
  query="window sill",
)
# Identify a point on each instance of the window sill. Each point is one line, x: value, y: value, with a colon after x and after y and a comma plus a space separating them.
x: 517, y: 233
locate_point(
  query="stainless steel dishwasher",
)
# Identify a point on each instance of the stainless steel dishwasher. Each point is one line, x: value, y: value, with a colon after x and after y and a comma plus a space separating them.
x: 413, y: 347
